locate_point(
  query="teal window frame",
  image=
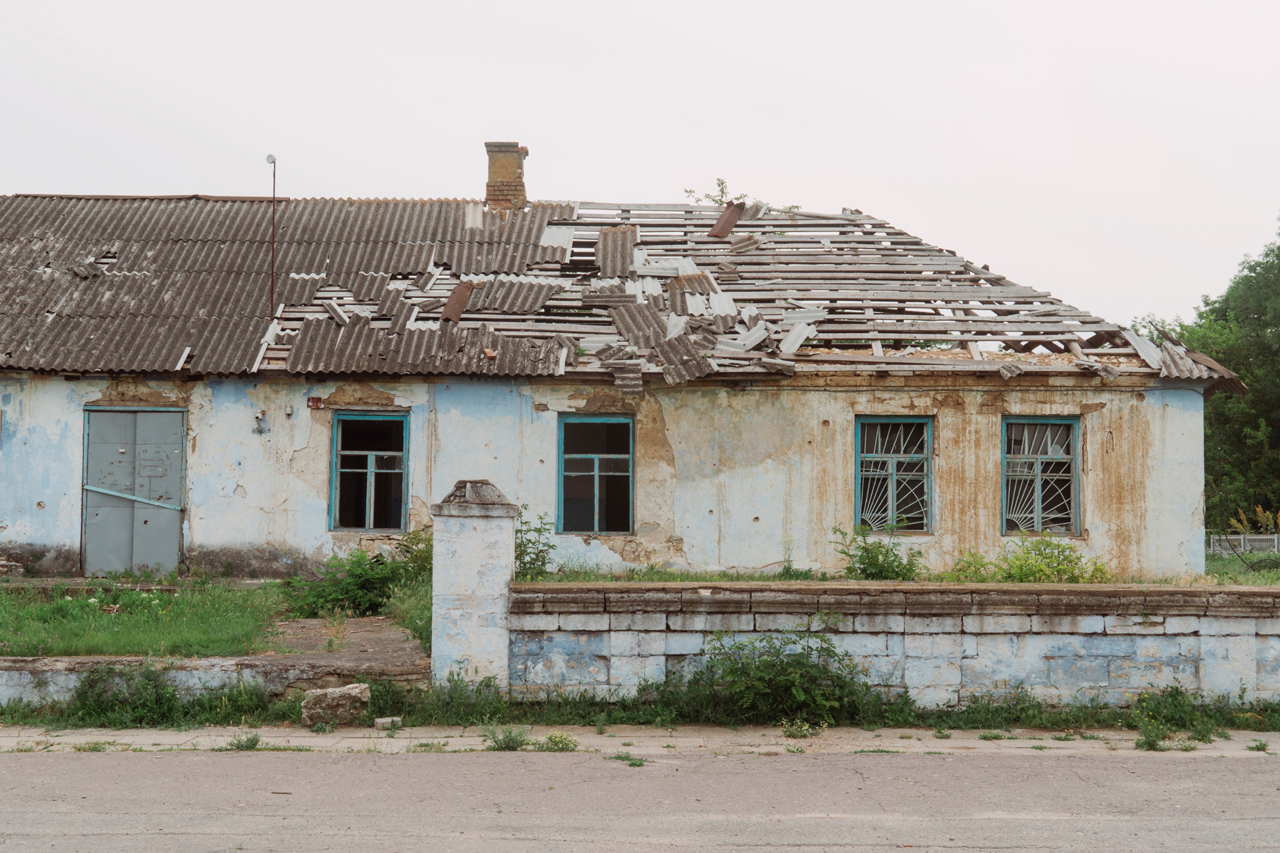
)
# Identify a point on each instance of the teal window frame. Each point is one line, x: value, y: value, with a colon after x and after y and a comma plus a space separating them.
x: 596, y: 457
x: 893, y: 459
x: 343, y: 417
x: 1006, y: 459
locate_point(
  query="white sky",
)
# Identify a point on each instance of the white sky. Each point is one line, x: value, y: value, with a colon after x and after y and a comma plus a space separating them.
x: 1123, y: 155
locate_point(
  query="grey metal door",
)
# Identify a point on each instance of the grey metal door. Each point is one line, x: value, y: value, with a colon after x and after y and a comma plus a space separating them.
x: 132, y: 491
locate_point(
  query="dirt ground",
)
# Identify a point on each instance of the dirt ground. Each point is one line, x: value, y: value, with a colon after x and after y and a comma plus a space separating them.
x: 357, y: 643
x: 999, y: 799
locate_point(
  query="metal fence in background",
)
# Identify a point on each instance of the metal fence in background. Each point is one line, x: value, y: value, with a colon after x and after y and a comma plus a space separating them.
x: 1224, y: 543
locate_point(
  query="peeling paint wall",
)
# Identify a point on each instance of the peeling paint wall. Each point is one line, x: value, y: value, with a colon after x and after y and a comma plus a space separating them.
x: 740, y: 476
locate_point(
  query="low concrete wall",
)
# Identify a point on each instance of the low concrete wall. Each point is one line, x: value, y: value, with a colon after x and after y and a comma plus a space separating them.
x: 41, y: 681
x: 943, y: 643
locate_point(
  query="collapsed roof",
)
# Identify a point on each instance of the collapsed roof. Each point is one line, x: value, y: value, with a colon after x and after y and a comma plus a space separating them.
x: 182, y: 285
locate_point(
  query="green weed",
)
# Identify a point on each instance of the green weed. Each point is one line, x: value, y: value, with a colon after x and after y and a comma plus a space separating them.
x: 557, y: 742
x: 874, y: 559
x: 243, y: 743
x: 535, y: 542
x: 799, y: 729
x: 361, y: 584
x: 506, y: 739
x: 428, y: 746
x: 92, y: 746
x: 1258, y: 746
x: 1044, y: 559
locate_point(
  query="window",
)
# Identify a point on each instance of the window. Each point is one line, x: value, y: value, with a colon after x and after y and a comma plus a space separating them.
x: 595, y: 475
x: 894, y: 473
x: 1040, y: 475
x: 368, y: 483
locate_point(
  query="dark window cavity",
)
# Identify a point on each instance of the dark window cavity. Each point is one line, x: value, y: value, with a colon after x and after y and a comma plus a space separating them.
x: 894, y: 474
x: 369, y: 488
x: 1040, y: 476
x: 595, y: 475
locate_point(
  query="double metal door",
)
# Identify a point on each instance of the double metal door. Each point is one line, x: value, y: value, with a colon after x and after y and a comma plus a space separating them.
x: 133, y: 491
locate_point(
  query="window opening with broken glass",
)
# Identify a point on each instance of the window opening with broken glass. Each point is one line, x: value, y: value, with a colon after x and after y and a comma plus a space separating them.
x: 368, y: 491
x: 1040, y: 476
x: 894, y: 473
x: 596, y: 462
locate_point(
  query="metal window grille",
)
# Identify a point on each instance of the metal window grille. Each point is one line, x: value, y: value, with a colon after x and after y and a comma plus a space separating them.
x: 1040, y: 493
x: 368, y: 478
x: 596, y: 468
x: 894, y: 474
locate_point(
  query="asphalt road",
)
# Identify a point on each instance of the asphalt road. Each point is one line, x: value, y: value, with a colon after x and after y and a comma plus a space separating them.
x: 198, y: 801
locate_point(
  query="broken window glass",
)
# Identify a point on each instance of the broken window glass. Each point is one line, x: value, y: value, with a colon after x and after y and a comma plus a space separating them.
x: 595, y: 475
x: 893, y: 474
x: 369, y: 487
x: 1039, y: 476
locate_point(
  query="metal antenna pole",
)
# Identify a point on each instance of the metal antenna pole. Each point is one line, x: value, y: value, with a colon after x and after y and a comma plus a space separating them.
x: 271, y: 309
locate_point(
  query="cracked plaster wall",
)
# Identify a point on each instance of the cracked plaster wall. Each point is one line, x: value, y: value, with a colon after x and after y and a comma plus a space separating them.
x: 724, y: 477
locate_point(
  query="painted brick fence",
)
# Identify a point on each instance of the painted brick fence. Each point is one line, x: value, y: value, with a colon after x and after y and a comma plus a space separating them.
x: 942, y: 643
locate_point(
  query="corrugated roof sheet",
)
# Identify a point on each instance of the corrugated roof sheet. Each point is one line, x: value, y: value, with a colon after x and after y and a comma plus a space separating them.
x: 614, y: 250
x: 127, y: 284
x: 358, y: 347
x: 507, y: 296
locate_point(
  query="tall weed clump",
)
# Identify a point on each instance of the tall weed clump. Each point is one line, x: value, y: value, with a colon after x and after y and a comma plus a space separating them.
x: 361, y: 584
x: 868, y: 559
x: 534, y: 545
x: 794, y: 676
x: 1043, y: 559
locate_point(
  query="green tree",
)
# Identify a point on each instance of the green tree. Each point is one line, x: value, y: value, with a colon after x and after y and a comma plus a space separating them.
x: 1241, y: 330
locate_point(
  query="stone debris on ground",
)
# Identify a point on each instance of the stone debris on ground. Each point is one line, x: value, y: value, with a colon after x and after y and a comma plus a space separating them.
x: 337, y: 706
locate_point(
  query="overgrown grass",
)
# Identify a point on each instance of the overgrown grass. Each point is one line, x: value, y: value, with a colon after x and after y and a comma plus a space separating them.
x: 1231, y: 570
x: 143, y: 698
x: 113, y: 620
x: 410, y: 606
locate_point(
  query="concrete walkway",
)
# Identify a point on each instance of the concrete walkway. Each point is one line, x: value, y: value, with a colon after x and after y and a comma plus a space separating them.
x: 657, y: 744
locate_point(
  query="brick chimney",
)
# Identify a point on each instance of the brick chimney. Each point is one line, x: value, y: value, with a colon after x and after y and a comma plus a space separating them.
x: 505, y: 189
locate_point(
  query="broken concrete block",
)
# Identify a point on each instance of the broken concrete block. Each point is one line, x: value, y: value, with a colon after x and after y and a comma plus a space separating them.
x: 387, y: 723
x: 338, y: 706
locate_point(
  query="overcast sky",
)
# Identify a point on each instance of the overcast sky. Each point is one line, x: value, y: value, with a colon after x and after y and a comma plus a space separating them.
x: 1124, y: 156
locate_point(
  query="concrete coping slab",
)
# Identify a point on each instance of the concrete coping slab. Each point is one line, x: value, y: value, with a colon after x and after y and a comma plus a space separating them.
x: 917, y: 599
x: 475, y: 499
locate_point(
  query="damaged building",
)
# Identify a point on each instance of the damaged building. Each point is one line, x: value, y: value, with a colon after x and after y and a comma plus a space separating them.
x: 183, y: 381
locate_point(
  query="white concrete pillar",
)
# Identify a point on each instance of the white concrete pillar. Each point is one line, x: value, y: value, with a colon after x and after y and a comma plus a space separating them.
x: 475, y: 560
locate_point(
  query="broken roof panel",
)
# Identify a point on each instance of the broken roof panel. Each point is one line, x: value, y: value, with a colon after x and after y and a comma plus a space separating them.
x: 116, y: 284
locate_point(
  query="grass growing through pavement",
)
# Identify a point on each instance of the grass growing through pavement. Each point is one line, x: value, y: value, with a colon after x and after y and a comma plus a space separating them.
x: 111, y: 620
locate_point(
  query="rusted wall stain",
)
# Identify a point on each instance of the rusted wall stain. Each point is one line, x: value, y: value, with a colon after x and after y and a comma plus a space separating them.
x: 357, y: 394
x: 723, y: 476
x: 132, y: 391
